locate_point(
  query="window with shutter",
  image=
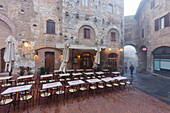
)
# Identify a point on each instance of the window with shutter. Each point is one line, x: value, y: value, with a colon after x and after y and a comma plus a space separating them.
x: 50, y: 27
x: 142, y: 33
x: 167, y: 20
x: 156, y: 24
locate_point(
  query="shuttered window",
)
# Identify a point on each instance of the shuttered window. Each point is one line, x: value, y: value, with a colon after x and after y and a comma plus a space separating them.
x: 152, y: 4
x: 142, y: 33
x: 50, y: 27
x: 167, y: 20
x: 156, y: 24
x: 87, y: 33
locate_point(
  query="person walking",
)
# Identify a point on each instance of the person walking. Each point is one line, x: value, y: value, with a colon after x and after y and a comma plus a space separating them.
x: 131, y: 70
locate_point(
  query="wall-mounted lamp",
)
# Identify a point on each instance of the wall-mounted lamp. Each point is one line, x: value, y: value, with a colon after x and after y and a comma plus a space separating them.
x: 26, y: 44
x: 61, y: 56
x: 110, y: 49
x: 121, y: 49
x: 36, y: 55
x: 78, y: 56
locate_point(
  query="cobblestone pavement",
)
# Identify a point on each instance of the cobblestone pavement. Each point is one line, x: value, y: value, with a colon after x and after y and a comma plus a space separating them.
x: 126, y: 101
x: 156, y: 86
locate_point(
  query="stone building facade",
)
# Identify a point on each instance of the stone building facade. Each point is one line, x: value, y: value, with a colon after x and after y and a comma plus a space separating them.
x: 151, y: 36
x: 45, y: 25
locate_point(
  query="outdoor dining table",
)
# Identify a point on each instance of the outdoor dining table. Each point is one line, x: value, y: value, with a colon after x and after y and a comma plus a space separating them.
x: 57, y: 71
x: 70, y: 70
x: 76, y: 74
x: 5, y: 78
x: 116, y: 72
x: 100, y: 73
x: 16, y: 89
x: 107, y: 79
x: 25, y: 77
x: 64, y: 75
x: 48, y: 75
x: 75, y: 82
x: 79, y: 70
x: 119, y: 78
x: 89, y: 73
x: 51, y: 85
x: 93, y: 80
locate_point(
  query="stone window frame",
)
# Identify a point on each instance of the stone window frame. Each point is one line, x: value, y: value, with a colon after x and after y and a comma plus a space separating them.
x: 50, y: 27
x: 86, y: 33
x: 110, y: 8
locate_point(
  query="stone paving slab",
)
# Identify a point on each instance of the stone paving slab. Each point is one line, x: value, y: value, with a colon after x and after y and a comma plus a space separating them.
x: 133, y: 101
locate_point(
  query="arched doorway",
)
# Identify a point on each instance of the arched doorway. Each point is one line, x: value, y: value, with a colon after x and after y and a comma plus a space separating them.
x: 86, y: 61
x: 130, y: 57
x: 161, y: 60
x: 113, y: 61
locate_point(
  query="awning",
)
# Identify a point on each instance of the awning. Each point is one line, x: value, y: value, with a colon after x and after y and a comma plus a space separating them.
x: 72, y: 46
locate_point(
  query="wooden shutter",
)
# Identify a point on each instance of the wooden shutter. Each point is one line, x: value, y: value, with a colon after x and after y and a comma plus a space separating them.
x: 167, y: 20
x: 157, y: 24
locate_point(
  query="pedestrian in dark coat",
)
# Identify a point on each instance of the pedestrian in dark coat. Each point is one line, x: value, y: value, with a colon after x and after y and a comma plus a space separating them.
x: 131, y: 69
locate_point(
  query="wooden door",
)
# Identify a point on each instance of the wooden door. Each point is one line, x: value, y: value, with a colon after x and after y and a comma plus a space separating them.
x: 86, y: 62
x: 49, y: 60
x: 2, y: 60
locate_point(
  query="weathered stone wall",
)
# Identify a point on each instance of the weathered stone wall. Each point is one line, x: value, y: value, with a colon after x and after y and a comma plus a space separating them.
x: 152, y: 39
x: 26, y: 21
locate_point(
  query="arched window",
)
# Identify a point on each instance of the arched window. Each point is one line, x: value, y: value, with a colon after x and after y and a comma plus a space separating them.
x: 50, y: 27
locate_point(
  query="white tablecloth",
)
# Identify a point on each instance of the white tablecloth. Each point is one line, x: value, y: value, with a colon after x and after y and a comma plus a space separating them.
x: 116, y: 72
x: 16, y: 89
x: 26, y: 76
x: 99, y: 73
x: 51, y: 85
x: 119, y: 78
x: 107, y: 79
x: 57, y: 71
x: 79, y: 69
x: 89, y: 69
x: 75, y: 82
x: 70, y: 70
x: 93, y: 80
x: 76, y: 74
x: 66, y: 74
x: 48, y: 75
x: 5, y: 78
x: 89, y: 73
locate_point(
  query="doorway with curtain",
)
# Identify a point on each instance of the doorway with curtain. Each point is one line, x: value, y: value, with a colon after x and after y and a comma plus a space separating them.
x: 86, y: 61
x: 113, y: 61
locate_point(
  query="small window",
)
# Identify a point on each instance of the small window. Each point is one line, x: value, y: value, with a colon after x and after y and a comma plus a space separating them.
x: 110, y: 9
x: 157, y: 24
x: 50, y: 27
x: 1, y: 7
x: 87, y: 33
x: 152, y: 4
x: 85, y: 3
x: 142, y: 33
x: 113, y: 36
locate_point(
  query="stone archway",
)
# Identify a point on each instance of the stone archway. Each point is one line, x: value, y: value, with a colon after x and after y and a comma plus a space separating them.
x: 130, y: 57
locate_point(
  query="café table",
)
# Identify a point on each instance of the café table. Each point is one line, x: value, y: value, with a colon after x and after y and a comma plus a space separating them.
x: 107, y: 79
x: 64, y: 75
x: 99, y: 73
x: 16, y: 89
x: 5, y: 78
x: 25, y: 77
x: 119, y: 78
x: 115, y: 73
x: 51, y: 85
x: 76, y: 74
x: 89, y: 73
x: 76, y: 82
x: 47, y: 75
x: 93, y: 80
